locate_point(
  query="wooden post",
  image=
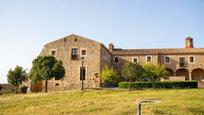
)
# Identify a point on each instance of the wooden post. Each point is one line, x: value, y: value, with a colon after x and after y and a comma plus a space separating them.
x: 139, y: 108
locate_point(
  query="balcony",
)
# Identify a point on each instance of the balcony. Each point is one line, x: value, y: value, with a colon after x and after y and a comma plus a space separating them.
x: 74, y: 57
x: 182, y: 65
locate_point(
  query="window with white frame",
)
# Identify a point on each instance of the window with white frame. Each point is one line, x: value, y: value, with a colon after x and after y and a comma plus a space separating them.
x: 191, y: 59
x: 148, y: 59
x: 135, y: 59
x: 74, y: 53
x: 167, y: 60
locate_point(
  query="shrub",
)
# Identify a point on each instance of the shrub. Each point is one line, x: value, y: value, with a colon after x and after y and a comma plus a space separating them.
x: 109, y: 77
x: 132, y: 72
x: 37, y: 86
x: 23, y: 89
x: 153, y: 72
x: 163, y: 84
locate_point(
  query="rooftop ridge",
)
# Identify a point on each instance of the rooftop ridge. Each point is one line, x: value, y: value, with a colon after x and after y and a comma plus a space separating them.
x: 61, y: 38
x: 153, y: 48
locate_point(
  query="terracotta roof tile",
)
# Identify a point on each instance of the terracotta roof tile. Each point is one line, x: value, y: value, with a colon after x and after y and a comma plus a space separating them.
x: 157, y: 51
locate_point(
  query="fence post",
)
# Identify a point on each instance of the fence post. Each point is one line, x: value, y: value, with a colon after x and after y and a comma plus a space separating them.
x: 139, y: 108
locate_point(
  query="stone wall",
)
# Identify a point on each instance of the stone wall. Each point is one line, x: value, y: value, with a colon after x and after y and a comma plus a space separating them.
x: 174, y: 65
x: 124, y: 58
x: 160, y: 59
x: 97, y: 56
x: 105, y: 57
x: 63, y: 49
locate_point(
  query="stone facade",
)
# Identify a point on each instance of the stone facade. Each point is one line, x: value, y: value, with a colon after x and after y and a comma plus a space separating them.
x: 72, y: 48
x: 192, y: 70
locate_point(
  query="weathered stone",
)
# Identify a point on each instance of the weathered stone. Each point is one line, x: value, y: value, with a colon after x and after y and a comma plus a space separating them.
x: 97, y: 56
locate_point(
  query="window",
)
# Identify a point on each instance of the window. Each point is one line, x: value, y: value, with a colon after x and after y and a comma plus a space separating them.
x: 148, y: 59
x: 83, y: 52
x: 182, y: 61
x: 53, y: 52
x: 75, y: 39
x: 167, y: 60
x: 74, y: 53
x: 135, y: 60
x: 57, y: 84
x: 191, y: 59
x: 116, y: 59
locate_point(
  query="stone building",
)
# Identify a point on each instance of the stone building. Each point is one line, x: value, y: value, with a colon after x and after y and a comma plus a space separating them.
x: 76, y: 51
x: 72, y: 50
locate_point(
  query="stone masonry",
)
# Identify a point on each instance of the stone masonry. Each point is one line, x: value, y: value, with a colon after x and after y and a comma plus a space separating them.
x: 183, y: 62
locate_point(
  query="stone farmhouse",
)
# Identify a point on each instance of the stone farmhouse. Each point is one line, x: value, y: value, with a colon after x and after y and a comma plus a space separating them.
x: 181, y: 63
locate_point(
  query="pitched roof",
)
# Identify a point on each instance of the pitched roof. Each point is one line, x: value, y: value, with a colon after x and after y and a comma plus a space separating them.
x: 158, y: 51
x: 69, y: 36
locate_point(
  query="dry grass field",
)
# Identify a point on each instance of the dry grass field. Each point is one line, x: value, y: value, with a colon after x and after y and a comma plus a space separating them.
x: 105, y: 102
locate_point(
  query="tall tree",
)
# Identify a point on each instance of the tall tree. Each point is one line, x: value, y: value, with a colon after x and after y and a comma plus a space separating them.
x: 153, y: 72
x: 16, y: 76
x: 45, y: 68
x: 132, y: 71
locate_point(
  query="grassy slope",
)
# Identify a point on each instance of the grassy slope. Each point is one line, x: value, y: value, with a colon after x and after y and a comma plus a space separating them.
x: 105, y: 102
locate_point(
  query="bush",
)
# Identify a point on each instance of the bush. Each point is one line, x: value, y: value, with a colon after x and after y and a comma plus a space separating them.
x: 153, y: 72
x: 23, y: 89
x: 163, y: 84
x: 109, y: 77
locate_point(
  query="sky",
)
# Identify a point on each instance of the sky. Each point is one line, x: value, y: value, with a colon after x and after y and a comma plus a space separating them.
x: 27, y: 25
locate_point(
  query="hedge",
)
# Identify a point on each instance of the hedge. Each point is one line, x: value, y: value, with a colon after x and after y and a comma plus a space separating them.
x: 162, y: 84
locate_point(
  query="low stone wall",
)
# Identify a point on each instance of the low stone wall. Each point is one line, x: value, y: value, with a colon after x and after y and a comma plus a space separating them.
x: 175, y: 78
x: 201, y: 84
x: 7, y: 88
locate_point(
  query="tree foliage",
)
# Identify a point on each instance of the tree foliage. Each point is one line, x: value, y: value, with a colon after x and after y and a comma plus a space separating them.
x: 132, y: 71
x: 45, y: 68
x: 109, y: 76
x: 153, y: 72
x: 16, y: 76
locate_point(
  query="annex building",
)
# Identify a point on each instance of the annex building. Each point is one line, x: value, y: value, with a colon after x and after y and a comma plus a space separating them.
x: 181, y: 63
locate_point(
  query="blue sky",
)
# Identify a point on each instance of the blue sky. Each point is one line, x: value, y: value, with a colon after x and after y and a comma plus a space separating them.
x: 26, y: 25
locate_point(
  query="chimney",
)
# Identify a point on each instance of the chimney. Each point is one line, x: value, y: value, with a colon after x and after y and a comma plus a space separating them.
x: 111, y: 47
x: 189, y: 42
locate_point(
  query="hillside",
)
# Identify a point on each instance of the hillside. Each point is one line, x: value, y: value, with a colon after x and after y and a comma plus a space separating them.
x: 104, y: 102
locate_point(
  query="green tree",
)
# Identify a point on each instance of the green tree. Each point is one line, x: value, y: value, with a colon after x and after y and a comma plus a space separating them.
x: 109, y: 76
x: 132, y: 71
x: 16, y: 76
x: 45, y: 68
x: 153, y: 72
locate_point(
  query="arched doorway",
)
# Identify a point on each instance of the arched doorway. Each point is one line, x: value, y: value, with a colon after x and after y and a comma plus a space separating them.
x: 198, y: 74
x: 170, y: 72
x: 183, y: 72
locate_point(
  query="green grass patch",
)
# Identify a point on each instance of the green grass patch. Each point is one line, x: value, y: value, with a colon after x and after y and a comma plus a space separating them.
x: 105, y: 102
